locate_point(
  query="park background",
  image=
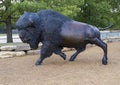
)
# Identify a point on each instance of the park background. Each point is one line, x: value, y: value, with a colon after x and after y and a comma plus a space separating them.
x: 99, y: 13
x: 87, y: 69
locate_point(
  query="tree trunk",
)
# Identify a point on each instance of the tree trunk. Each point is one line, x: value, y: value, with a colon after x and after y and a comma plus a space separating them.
x: 9, y: 30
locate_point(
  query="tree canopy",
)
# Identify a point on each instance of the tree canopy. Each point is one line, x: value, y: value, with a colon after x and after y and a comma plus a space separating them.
x: 100, y: 13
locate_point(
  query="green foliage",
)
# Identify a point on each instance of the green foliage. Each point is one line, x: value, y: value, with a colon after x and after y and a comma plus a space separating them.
x: 32, y: 6
x: 115, y: 7
x: 96, y: 12
x: 66, y: 7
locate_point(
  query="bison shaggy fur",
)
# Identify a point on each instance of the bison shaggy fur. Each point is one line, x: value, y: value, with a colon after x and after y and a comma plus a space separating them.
x: 56, y: 31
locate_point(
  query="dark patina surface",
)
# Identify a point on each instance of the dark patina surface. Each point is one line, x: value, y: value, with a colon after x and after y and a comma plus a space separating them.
x: 56, y: 31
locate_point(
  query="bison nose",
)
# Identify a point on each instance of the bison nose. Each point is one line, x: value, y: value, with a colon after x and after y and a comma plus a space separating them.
x: 25, y: 40
x: 21, y: 36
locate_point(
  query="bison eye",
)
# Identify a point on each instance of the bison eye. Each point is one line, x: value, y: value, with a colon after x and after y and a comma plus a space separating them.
x: 32, y: 25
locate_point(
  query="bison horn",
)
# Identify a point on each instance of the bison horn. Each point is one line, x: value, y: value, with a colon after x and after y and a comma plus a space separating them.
x: 31, y: 21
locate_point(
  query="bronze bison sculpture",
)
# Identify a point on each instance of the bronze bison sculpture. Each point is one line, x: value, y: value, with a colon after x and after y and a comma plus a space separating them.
x: 56, y: 31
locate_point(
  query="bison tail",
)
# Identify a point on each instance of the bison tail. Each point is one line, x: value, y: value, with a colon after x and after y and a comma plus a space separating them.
x: 106, y: 27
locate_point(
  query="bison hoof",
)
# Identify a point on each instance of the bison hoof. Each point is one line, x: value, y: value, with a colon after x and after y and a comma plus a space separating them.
x: 104, y: 61
x: 71, y: 59
x: 38, y: 63
x: 64, y: 57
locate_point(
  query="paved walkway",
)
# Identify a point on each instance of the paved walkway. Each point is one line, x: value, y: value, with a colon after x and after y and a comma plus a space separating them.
x: 15, y: 39
x: 87, y: 69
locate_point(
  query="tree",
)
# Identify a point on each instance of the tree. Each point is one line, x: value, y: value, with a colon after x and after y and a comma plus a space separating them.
x: 115, y: 8
x: 6, y: 19
x: 66, y: 7
x: 10, y: 10
x: 96, y: 12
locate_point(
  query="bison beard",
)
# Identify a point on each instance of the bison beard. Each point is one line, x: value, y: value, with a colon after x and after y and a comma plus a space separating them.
x: 56, y: 31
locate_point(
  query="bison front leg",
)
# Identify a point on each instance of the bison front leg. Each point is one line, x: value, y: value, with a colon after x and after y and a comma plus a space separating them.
x: 80, y: 49
x: 46, y: 51
x: 59, y: 52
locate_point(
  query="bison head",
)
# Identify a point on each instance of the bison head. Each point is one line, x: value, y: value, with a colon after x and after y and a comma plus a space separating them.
x: 28, y: 29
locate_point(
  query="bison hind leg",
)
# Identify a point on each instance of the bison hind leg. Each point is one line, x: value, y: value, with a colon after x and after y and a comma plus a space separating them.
x: 82, y: 48
x: 103, y: 45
